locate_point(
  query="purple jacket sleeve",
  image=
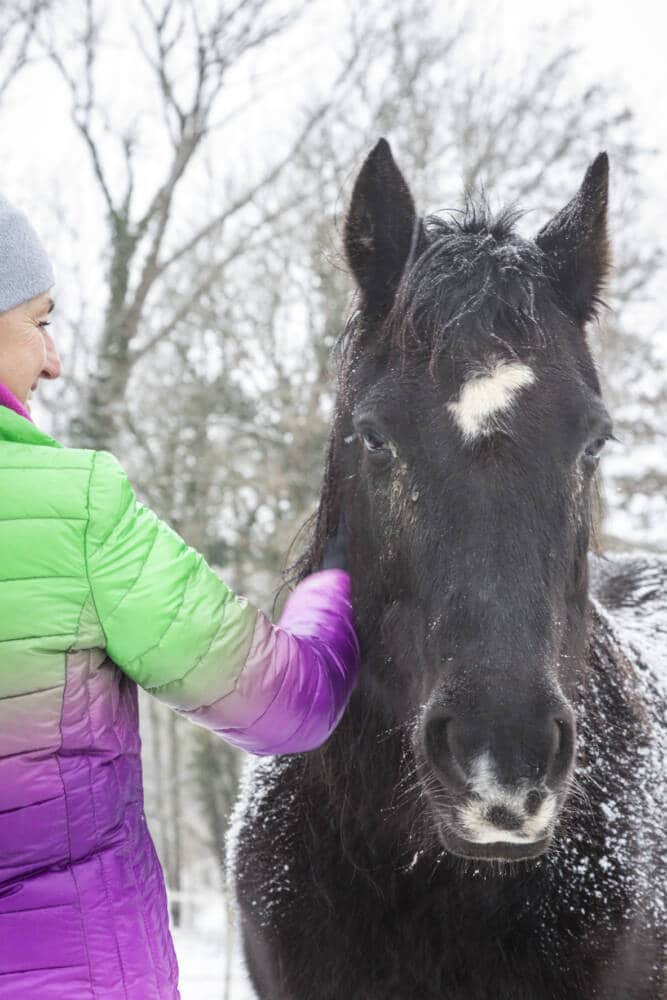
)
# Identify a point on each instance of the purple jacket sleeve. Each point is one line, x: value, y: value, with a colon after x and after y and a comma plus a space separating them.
x: 298, y: 675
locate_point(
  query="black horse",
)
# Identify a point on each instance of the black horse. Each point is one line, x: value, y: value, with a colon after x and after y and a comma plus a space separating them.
x: 486, y: 821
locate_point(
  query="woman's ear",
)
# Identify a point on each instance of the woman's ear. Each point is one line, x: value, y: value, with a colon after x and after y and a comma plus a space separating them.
x: 576, y: 244
x: 379, y: 229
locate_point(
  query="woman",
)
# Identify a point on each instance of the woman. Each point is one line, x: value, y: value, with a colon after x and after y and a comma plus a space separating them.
x: 98, y: 595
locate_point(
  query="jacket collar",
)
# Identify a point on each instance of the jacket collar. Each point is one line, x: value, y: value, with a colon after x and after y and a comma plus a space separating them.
x: 8, y: 399
x: 14, y: 427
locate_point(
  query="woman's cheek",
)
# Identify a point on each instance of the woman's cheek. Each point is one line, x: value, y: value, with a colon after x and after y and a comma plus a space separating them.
x: 36, y: 352
x: 30, y: 360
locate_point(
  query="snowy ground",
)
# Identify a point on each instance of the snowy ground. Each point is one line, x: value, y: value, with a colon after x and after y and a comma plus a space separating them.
x: 209, y: 956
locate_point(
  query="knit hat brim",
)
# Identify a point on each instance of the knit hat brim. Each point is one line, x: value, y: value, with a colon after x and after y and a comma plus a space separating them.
x: 25, y: 268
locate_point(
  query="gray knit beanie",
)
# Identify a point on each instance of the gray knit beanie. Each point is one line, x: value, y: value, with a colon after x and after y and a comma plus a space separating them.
x: 25, y: 268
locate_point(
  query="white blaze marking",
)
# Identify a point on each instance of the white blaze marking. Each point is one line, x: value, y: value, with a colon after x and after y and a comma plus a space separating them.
x: 492, y: 793
x: 486, y: 395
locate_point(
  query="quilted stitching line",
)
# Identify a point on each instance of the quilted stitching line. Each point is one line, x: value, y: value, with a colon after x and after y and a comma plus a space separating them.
x: 69, y: 835
x: 202, y: 656
x: 247, y: 660
x: 141, y: 897
x: 119, y: 517
x: 141, y: 569
x: 283, y: 681
x: 156, y: 645
x: 85, y: 547
x: 97, y: 853
x: 138, y: 576
x: 24, y: 694
x: 83, y: 607
x: 40, y: 517
x: 43, y: 968
x: 33, y: 579
x: 138, y: 889
x: 39, y: 638
x: 44, y: 468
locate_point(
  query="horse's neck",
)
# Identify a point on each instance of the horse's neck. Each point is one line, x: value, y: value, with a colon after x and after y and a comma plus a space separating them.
x: 363, y: 772
x: 368, y: 741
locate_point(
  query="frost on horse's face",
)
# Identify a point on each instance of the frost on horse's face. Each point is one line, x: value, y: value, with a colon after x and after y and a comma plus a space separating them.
x: 470, y: 429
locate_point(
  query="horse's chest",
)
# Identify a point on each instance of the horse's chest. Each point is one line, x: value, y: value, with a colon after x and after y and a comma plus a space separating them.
x: 338, y: 922
x: 337, y: 928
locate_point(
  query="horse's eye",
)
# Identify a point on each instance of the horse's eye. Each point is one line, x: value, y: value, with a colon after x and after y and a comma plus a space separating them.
x: 592, y: 451
x: 373, y: 443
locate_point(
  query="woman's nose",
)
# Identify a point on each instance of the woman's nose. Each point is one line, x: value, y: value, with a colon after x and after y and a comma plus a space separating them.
x: 53, y: 366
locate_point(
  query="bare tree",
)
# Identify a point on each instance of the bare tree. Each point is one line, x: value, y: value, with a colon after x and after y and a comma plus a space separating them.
x: 19, y: 20
x: 174, y: 39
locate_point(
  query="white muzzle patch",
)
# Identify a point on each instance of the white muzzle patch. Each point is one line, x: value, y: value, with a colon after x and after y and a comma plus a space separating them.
x: 474, y: 815
x: 488, y: 394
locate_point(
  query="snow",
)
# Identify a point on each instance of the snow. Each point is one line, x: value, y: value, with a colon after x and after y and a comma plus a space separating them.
x: 210, y: 932
x: 202, y: 969
x: 208, y: 945
x: 634, y: 608
x: 202, y: 949
x: 638, y: 616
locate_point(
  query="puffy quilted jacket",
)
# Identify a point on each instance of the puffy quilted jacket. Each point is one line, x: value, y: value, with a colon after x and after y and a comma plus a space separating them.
x: 96, y: 593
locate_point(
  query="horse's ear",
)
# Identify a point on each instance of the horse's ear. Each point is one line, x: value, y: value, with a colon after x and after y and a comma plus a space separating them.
x: 379, y: 228
x: 576, y: 244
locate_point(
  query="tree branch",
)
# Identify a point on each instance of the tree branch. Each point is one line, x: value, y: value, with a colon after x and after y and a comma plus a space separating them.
x: 247, y: 197
x: 82, y: 109
x: 25, y: 18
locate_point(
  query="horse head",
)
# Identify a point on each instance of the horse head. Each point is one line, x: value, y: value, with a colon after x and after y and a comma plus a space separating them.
x: 468, y: 428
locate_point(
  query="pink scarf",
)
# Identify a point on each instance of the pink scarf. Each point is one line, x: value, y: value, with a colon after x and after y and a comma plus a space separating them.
x: 9, y: 400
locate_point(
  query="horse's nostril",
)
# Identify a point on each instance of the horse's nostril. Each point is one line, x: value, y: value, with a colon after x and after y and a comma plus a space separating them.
x: 534, y: 800
x: 439, y: 750
x: 563, y: 753
x: 559, y: 734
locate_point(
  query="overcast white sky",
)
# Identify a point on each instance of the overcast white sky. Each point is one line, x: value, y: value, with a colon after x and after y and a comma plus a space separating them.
x: 621, y: 42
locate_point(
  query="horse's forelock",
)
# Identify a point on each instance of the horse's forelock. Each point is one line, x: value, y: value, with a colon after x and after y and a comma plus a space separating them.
x: 474, y: 279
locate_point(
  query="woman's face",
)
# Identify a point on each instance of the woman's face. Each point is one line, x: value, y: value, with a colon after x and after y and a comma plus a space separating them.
x: 27, y: 351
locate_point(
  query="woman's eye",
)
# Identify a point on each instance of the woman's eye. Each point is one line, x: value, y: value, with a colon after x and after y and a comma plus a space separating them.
x: 45, y: 322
